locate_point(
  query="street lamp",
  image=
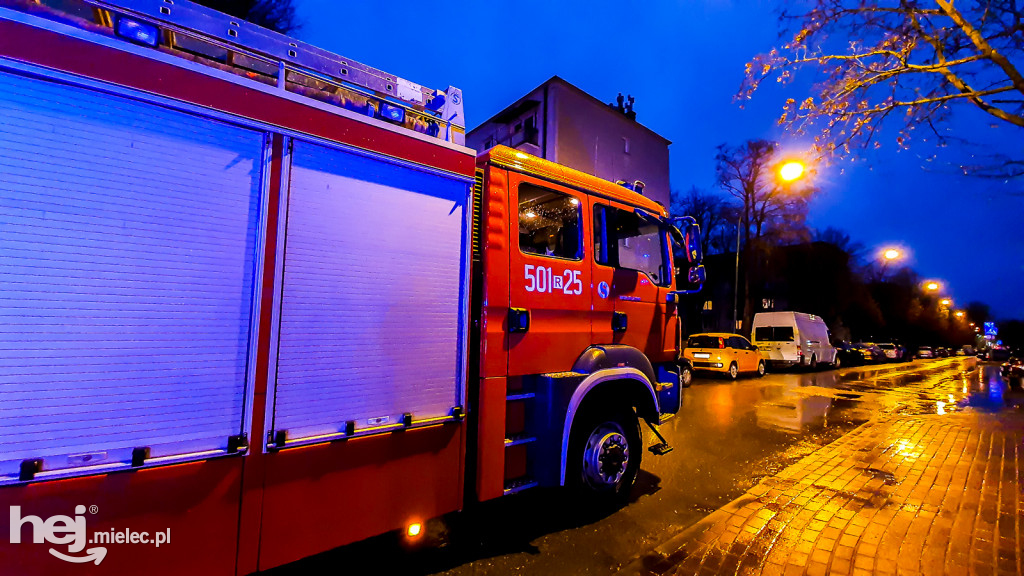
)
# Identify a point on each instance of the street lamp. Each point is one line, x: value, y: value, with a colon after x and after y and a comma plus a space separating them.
x: 932, y: 286
x: 889, y: 255
x: 945, y: 301
x: 789, y: 171
x: 959, y: 313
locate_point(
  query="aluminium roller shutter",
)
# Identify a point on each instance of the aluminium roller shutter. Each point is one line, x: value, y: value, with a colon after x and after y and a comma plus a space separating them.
x: 371, y: 313
x: 127, y: 242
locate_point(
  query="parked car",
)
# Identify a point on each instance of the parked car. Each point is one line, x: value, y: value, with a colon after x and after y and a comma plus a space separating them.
x: 925, y: 352
x: 942, y: 352
x: 871, y: 352
x: 892, y: 354
x: 793, y: 339
x: 1013, y: 371
x: 729, y: 354
x: 904, y: 353
x: 848, y: 355
x: 997, y: 354
x: 968, y: 350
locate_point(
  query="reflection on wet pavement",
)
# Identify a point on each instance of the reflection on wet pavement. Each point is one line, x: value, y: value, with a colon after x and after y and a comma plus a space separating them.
x: 931, y: 484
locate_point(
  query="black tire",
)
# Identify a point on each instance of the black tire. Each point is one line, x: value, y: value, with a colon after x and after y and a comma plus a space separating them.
x: 813, y: 365
x: 837, y: 362
x: 605, y: 448
x: 760, y: 369
x: 685, y: 375
x: 734, y: 371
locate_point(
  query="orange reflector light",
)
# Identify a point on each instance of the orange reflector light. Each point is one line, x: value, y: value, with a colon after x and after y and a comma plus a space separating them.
x: 414, y: 529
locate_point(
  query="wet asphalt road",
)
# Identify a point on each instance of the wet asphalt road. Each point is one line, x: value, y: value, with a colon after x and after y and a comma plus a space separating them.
x: 727, y: 436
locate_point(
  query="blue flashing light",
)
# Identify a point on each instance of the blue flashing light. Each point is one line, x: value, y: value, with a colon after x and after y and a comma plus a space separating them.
x: 392, y: 113
x: 138, y: 32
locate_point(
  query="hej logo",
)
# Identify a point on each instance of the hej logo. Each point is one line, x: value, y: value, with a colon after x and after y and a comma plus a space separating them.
x: 58, y: 531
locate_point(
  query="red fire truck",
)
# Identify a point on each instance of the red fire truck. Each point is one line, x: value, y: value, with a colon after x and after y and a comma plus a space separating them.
x: 259, y: 301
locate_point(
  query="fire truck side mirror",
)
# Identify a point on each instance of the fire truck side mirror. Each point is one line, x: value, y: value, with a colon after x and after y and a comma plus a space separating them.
x: 686, y: 237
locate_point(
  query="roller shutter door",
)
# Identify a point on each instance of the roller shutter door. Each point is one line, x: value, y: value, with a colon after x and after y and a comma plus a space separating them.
x: 371, y: 312
x: 127, y: 242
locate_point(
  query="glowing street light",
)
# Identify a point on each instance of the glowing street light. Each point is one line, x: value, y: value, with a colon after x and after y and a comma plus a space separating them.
x: 945, y: 301
x: 791, y: 170
x: 891, y: 254
x: 959, y: 313
x: 932, y: 286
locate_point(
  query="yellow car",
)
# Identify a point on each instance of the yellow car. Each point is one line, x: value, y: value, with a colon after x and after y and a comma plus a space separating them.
x: 730, y: 354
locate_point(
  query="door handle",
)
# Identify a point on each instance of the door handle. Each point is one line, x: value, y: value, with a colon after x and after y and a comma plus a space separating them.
x: 619, y: 321
x: 518, y: 320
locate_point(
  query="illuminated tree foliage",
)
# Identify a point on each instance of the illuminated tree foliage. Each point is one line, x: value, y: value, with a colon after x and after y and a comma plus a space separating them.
x: 910, y: 60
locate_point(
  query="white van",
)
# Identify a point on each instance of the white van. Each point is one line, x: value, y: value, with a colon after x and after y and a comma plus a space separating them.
x: 793, y: 339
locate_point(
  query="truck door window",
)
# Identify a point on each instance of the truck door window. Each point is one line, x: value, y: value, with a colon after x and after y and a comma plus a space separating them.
x: 549, y: 223
x: 639, y: 245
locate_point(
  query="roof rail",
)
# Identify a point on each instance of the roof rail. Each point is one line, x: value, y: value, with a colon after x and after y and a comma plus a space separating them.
x: 294, y: 65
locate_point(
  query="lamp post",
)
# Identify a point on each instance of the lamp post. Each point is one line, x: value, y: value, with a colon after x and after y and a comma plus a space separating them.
x: 789, y: 171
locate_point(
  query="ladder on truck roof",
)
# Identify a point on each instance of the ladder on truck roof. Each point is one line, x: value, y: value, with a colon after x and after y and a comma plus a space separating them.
x: 226, y: 42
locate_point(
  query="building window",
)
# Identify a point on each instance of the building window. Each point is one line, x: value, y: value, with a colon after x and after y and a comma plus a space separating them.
x: 549, y: 223
x: 531, y: 133
x: 625, y: 145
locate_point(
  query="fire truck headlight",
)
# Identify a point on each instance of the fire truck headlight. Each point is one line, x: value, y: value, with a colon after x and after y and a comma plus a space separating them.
x: 138, y: 32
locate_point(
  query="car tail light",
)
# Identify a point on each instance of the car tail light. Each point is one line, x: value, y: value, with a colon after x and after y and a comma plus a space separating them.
x: 799, y: 350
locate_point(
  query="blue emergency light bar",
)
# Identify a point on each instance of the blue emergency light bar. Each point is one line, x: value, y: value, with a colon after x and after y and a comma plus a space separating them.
x: 138, y: 32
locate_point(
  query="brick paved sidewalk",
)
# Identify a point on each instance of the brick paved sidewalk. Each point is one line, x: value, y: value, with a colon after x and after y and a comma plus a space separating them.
x: 909, y: 495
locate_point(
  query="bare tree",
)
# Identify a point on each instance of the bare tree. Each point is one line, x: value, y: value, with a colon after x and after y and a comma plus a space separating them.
x: 770, y: 207
x: 277, y: 15
x: 711, y: 211
x: 843, y: 241
x: 770, y: 210
x: 907, y: 61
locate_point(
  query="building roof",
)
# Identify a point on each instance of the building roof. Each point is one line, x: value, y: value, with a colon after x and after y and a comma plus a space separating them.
x: 523, y: 162
x: 520, y: 105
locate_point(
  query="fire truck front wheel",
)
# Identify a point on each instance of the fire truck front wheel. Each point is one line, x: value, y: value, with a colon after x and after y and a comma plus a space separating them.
x: 605, y: 454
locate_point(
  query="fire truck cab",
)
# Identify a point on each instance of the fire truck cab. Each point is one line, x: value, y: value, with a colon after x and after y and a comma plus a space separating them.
x: 579, y: 324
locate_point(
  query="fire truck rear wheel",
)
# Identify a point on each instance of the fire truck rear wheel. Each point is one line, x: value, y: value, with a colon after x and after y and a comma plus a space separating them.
x: 605, y: 452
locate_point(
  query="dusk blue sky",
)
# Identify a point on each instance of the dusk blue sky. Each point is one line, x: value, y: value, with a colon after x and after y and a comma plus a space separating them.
x: 683, y: 62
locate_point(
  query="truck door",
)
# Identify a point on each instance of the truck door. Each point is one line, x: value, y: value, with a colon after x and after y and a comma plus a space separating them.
x: 631, y: 265
x: 550, y: 276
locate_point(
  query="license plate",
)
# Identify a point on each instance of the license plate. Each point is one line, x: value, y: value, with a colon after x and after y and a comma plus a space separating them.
x: 701, y: 355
